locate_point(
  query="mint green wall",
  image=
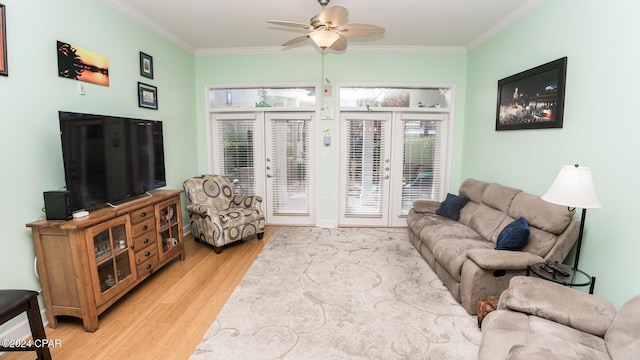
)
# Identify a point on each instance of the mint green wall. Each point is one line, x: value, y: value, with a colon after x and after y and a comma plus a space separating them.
x: 600, y: 123
x: 403, y: 68
x: 600, y: 118
x: 32, y: 94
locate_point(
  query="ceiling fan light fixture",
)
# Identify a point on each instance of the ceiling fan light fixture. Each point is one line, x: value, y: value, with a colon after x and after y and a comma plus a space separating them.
x: 324, y: 38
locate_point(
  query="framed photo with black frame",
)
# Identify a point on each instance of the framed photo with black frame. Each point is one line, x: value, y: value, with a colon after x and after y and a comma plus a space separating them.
x: 147, y: 96
x: 532, y: 99
x: 146, y: 65
x: 3, y: 41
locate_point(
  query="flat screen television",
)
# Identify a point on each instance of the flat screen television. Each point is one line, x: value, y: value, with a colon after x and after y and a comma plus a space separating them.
x: 109, y: 159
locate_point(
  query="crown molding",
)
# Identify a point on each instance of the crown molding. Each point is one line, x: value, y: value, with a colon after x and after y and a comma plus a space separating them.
x: 351, y: 49
x: 146, y: 22
x: 522, y: 10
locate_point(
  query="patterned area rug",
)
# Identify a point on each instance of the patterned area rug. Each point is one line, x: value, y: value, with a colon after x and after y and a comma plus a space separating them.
x: 317, y: 293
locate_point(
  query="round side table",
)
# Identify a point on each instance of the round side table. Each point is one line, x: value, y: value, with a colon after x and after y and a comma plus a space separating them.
x: 562, y: 274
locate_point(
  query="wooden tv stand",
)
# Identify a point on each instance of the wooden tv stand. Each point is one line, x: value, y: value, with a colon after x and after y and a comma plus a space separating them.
x: 87, y: 264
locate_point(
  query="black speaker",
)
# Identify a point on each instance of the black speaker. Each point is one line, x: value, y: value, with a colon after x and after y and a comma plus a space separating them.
x: 57, y: 205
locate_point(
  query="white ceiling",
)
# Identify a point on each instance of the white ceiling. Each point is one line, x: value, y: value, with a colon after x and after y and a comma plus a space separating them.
x: 202, y: 26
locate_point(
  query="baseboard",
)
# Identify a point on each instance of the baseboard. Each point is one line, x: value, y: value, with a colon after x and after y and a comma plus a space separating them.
x: 327, y: 224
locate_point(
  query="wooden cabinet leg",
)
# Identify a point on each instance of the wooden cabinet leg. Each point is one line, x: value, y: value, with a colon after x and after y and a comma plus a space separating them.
x: 90, y: 323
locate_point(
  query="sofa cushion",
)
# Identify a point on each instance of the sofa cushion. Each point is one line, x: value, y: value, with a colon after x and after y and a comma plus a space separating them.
x: 509, y: 334
x: 451, y: 206
x: 446, y: 230
x: 565, y: 340
x: 452, y: 253
x: 541, y: 214
x: 524, y: 352
x: 623, y: 334
x: 499, y: 197
x: 486, y: 221
x: 540, y: 242
x: 514, y: 236
x: 473, y: 189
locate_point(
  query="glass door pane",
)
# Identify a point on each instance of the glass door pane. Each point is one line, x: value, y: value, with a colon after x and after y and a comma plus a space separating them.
x: 288, y: 168
x: 366, y: 168
x: 422, y: 154
x: 236, y: 151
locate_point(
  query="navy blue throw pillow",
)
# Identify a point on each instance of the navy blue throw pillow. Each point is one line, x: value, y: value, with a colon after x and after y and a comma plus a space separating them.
x: 451, y: 206
x: 514, y: 236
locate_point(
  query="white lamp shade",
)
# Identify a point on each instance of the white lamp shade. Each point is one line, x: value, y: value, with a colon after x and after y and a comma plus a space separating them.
x: 573, y: 187
x: 324, y: 38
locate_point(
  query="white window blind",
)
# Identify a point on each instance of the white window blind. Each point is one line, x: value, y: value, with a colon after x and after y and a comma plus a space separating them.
x: 365, y: 168
x: 422, y: 159
x: 236, y: 153
x: 288, y: 166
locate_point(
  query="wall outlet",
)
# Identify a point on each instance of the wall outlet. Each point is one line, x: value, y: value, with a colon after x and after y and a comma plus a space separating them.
x: 327, y: 90
x: 323, y: 200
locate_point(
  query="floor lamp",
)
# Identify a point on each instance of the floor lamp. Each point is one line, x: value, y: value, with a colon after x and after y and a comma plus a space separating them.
x: 573, y: 187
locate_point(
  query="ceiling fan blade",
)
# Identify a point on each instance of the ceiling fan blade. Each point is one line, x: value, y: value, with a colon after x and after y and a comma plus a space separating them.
x: 340, y: 44
x: 296, y: 40
x: 333, y: 16
x: 290, y: 24
x: 357, y: 29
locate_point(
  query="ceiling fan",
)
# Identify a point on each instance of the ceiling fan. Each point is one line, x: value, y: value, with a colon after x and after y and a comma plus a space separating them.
x: 330, y: 28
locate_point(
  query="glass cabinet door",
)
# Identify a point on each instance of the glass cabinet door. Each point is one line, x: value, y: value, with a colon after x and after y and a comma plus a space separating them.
x: 168, y: 226
x: 111, y: 265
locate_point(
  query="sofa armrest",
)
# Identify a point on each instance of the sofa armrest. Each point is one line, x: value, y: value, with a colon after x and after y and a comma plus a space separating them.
x: 490, y: 259
x: 558, y: 303
x: 202, y: 210
x: 425, y: 206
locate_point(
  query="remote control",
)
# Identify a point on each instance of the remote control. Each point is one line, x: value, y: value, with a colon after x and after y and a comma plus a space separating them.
x: 557, y: 269
x: 547, y: 269
x: 553, y: 266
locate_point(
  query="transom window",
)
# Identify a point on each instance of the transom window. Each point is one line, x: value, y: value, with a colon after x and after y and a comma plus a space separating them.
x: 244, y: 98
x: 395, y: 97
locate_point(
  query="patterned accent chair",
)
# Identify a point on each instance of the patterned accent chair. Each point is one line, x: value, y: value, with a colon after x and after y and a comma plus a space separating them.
x: 218, y: 217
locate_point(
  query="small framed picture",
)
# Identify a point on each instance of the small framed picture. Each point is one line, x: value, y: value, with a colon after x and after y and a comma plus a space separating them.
x: 147, y: 96
x: 3, y: 42
x: 146, y: 65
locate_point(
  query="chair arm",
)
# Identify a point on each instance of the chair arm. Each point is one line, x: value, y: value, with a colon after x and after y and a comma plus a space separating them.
x: 490, y: 259
x: 247, y: 201
x: 202, y: 210
x: 425, y: 206
x: 555, y: 302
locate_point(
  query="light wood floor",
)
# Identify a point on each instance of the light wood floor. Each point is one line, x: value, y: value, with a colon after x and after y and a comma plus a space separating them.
x: 166, y: 316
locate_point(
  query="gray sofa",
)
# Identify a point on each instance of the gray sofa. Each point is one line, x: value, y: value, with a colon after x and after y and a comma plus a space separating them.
x: 539, y: 319
x: 463, y: 253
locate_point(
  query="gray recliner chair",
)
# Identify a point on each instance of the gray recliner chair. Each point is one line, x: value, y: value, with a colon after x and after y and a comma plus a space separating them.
x: 539, y: 319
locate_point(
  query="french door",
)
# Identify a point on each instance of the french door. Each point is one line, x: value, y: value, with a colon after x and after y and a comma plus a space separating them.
x: 269, y: 154
x: 389, y: 159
